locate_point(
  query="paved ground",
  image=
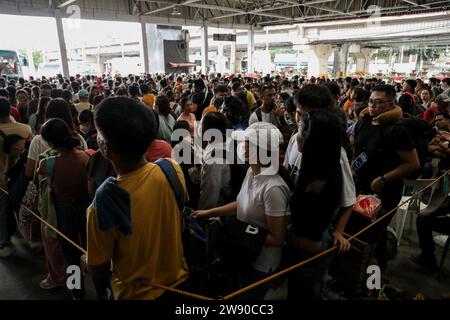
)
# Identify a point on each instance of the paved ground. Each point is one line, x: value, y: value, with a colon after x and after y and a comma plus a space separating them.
x: 21, y: 273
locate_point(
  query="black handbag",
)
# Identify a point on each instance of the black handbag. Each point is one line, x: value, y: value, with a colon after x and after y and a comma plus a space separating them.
x: 240, y: 243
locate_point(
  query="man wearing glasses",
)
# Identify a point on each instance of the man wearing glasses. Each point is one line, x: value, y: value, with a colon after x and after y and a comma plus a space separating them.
x: 385, y: 152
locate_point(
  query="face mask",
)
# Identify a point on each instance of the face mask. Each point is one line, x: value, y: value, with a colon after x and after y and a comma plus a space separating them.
x: 219, y: 102
x: 84, y: 129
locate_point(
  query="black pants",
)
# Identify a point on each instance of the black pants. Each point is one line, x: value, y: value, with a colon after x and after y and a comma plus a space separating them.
x: 437, y: 221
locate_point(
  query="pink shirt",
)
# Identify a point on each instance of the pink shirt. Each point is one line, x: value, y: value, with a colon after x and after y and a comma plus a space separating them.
x: 190, y: 119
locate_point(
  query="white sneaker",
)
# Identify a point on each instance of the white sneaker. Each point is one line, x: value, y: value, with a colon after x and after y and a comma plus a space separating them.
x: 5, y: 252
x: 35, y: 245
x: 47, y: 285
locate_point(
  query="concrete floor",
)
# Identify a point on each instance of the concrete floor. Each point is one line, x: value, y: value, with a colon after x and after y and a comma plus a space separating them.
x: 21, y: 273
x: 405, y: 274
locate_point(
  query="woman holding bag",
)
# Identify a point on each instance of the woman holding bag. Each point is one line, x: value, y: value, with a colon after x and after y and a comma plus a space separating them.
x: 262, y: 202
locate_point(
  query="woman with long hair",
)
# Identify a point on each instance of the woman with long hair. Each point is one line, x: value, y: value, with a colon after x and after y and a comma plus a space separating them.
x: 37, y: 119
x: 22, y: 105
x: 315, y: 201
x: 93, y: 92
x: 59, y: 109
x: 69, y: 188
x: 166, y: 120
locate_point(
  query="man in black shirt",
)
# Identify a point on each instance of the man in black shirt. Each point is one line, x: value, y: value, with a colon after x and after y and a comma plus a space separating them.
x: 200, y: 99
x: 384, y: 149
x: 385, y: 154
x: 408, y: 99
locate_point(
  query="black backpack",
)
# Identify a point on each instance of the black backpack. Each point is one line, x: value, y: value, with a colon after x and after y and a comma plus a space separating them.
x: 198, y: 238
x: 243, y: 97
x: 421, y: 132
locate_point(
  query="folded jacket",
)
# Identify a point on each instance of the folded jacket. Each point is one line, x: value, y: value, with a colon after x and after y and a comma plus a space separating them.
x: 113, y: 206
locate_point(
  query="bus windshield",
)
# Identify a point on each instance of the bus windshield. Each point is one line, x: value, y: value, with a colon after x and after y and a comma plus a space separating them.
x: 9, y: 64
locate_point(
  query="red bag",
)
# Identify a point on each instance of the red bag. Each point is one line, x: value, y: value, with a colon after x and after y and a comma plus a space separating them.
x: 367, y: 206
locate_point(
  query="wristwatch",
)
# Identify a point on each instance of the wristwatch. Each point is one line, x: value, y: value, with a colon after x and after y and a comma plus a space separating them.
x: 383, y: 179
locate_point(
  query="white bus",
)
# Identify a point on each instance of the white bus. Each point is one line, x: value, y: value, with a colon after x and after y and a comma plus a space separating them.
x: 11, y: 65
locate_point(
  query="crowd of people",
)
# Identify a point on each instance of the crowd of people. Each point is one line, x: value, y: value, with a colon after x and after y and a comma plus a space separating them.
x: 85, y: 152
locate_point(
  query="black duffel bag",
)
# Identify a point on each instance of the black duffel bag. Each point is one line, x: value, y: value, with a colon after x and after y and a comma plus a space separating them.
x: 240, y: 243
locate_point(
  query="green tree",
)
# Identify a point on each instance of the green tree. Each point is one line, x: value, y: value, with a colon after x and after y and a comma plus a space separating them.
x: 23, y: 52
x: 274, y: 52
x: 37, y: 58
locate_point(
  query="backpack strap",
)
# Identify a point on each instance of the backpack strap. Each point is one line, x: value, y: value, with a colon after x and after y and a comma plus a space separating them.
x: 172, y: 177
x: 259, y: 114
x: 49, y: 167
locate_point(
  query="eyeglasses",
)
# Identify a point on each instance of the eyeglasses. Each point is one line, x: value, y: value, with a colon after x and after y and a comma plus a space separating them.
x: 377, y: 102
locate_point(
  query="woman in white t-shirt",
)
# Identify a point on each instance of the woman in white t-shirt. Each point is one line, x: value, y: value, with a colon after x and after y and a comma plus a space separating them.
x: 262, y: 201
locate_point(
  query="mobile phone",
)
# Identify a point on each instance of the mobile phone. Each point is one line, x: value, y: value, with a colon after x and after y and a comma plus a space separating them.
x: 360, y: 161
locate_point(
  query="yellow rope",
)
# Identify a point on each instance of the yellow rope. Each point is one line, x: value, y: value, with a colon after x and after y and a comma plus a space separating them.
x: 283, y: 272
x: 268, y: 279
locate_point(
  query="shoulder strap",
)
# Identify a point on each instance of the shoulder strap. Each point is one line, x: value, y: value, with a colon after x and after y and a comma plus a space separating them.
x: 49, y: 166
x: 2, y: 134
x: 259, y: 114
x: 172, y: 178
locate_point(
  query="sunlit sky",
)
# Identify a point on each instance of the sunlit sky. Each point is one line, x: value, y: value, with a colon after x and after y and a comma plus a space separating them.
x: 39, y: 33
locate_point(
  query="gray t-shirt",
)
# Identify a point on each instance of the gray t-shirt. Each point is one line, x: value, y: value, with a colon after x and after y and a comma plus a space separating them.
x: 166, y: 125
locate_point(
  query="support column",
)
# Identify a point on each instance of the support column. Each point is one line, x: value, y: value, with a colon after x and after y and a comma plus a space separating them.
x: 318, y: 59
x: 204, y: 49
x: 220, y: 58
x: 362, y: 57
x: 340, y: 61
x: 31, y: 67
x: 250, y: 49
x: 62, y: 44
x: 233, y: 56
x: 144, y: 47
x: 401, y: 54
x: 367, y: 52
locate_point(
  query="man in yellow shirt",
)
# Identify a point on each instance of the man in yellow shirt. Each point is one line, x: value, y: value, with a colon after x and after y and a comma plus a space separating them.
x: 134, y: 224
x: 148, y: 98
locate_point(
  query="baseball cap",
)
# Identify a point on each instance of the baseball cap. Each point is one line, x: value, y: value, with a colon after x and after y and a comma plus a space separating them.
x: 264, y: 140
x: 83, y: 93
x: 266, y: 135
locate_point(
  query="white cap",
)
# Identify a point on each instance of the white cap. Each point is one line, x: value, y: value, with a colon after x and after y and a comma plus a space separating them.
x: 265, y: 135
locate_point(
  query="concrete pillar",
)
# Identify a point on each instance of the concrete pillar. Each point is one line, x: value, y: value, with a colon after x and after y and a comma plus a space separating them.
x: 340, y: 61
x: 233, y: 56
x: 367, y: 52
x: 362, y: 57
x: 318, y: 59
x: 62, y: 43
x: 250, y: 49
x: 204, y: 49
x: 401, y: 54
x: 31, y: 67
x: 144, y: 48
x: 220, y: 58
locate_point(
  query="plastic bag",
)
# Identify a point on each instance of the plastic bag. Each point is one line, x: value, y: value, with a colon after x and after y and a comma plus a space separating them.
x: 367, y: 206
